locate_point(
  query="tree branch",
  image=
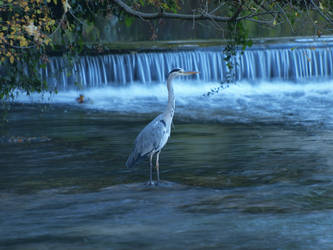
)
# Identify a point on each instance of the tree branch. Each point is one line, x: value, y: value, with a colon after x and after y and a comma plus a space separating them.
x: 168, y: 15
x: 191, y: 17
x: 238, y: 11
x: 328, y: 19
x: 217, y: 8
x: 286, y: 17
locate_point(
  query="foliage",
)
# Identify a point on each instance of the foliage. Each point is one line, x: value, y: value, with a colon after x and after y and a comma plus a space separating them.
x: 31, y: 29
x: 27, y: 28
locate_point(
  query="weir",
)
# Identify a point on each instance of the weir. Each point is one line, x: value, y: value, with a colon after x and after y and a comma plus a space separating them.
x: 292, y: 62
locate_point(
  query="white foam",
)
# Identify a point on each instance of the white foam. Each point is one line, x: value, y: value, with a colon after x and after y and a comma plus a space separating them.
x: 243, y: 101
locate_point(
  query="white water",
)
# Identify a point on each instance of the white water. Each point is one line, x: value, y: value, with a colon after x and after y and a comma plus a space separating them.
x: 307, y: 103
x: 296, y: 61
x: 280, y: 83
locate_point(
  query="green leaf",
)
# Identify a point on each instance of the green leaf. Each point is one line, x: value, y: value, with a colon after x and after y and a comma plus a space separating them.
x: 128, y: 21
x: 249, y: 43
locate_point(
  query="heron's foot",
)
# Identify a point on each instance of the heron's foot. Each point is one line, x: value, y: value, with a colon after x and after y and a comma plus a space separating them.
x: 153, y: 183
x: 150, y: 183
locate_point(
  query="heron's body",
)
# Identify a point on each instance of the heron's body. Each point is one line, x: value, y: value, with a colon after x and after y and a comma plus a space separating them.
x: 150, y: 140
x: 155, y: 135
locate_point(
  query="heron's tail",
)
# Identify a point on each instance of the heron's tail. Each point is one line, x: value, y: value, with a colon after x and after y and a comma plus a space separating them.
x: 132, y: 159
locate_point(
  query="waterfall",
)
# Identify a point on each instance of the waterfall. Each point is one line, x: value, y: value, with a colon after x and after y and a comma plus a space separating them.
x: 261, y: 62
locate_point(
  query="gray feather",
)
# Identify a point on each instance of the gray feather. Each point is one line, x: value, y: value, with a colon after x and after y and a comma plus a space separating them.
x: 151, y: 139
x: 132, y: 159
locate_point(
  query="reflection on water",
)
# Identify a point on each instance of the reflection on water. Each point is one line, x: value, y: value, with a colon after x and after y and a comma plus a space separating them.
x: 225, y: 185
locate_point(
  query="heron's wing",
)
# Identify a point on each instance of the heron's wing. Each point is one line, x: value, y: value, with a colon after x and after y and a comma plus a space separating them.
x: 152, y: 137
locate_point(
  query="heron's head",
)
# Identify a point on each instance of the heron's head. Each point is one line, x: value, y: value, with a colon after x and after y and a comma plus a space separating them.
x: 180, y: 72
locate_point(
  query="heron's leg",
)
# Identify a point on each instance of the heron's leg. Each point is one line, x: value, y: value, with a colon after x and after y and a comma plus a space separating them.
x: 158, y: 166
x: 151, y: 169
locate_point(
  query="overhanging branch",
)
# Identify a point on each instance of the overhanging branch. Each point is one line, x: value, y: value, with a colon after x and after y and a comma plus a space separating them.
x: 190, y: 17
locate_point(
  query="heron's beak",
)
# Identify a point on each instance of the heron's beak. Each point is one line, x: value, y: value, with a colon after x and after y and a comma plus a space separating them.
x: 190, y: 73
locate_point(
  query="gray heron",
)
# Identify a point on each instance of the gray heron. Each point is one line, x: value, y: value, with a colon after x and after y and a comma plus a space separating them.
x: 155, y: 135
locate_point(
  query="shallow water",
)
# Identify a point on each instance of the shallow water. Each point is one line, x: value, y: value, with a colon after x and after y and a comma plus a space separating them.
x: 228, y: 183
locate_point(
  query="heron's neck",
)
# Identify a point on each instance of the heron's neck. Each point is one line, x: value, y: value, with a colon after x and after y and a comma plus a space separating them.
x: 170, y: 109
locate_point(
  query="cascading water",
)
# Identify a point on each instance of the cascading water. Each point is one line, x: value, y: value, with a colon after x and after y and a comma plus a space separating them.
x: 276, y: 82
x: 293, y: 62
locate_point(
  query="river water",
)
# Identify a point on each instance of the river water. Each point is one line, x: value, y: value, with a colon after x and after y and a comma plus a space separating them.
x: 248, y: 168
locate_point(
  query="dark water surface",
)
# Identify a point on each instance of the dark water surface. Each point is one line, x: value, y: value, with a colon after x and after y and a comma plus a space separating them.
x: 63, y: 185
